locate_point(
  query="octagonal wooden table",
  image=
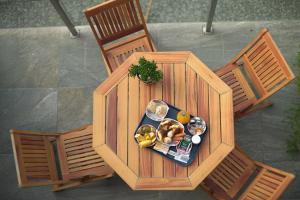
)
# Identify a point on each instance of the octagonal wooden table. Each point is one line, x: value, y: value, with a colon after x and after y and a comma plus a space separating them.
x: 120, y: 102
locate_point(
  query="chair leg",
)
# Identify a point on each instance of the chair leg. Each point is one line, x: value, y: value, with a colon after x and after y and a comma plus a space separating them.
x: 260, y: 106
x: 66, y: 185
x: 89, y: 179
x: 78, y: 182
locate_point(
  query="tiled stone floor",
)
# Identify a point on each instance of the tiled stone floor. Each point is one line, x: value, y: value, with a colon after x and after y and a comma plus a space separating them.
x: 36, y: 13
x: 47, y: 80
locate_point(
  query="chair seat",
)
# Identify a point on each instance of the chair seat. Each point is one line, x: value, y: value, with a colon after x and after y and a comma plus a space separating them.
x: 119, y: 52
x: 77, y: 156
x: 34, y: 158
x: 243, y: 96
x: 228, y: 178
x: 236, y: 170
x: 269, y: 184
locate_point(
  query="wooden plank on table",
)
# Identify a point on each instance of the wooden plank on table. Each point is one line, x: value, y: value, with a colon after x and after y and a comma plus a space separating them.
x: 113, y: 160
x: 111, y: 119
x: 163, y: 184
x: 164, y: 57
x: 157, y: 160
x: 180, y: 102
x: 168, y: 96
x: 206, y: 74
x: 227, y: 119
x: 191, y: 104
x: 203, y: 112
x: 122, y: 120
x: 214, y: 119
x: 133, y: 120
x: 99, y: 110
x: 145, y: 153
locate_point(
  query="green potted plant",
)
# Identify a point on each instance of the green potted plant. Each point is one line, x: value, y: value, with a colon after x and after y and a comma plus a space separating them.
x: 146, y: 71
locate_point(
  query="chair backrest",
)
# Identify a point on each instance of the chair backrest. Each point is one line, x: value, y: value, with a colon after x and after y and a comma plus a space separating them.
x: 77, y: 156
x: 230, y: 175
x: 115, y: 19
x: 265, y: 65
x: 226, y: 181
x: 269, y: 184
x: 34, y: 158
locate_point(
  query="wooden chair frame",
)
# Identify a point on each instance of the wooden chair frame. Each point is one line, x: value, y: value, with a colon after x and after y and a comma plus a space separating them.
x: 228, y: 179
x: 113, y: 23
x: 35, y: 161
x: 264, y: 65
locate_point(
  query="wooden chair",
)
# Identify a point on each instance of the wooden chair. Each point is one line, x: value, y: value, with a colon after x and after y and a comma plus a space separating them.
x: 35, y: 158
x: 264, y: 66
x: 227, y: 180
x: 120, y: 30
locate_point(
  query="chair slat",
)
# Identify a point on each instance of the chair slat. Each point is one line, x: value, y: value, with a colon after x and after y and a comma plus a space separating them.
x: 237, y: 167
x: 36, y: 169
x: 80, y: 151
x: 81, y: 142
x: 94, y: 156
x: 134, y: 12
x: 118, y: 18
x: 269, y: 184
x: 257, y: 48
x: 264, y: 73
x: 34, y: 158
x: 243, y: 95
x: 114, y: 20
x: 266, y: 68
x: 261, y: 57
x: 98, y: 165
x: 232, y: 174
x: 79, y: 147
x: 105, y: 24
x: 77, y: 157
x: 36, y: 164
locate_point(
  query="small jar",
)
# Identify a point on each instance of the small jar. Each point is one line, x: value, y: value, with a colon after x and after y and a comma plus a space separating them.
x: 196, y: 139
x: 196, y: 126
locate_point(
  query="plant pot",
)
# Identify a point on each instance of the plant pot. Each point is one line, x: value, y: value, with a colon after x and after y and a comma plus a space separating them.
x: 148, y: 82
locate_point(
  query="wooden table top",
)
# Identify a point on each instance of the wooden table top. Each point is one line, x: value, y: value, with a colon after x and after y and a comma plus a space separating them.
x: 120, y: 102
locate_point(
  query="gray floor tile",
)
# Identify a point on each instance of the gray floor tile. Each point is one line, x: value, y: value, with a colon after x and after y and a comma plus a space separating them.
x: 29, y: 58
x: 178, y: 36
x: 29, y: 109
x: 10, y: 12
x: 112, y: 188
x: 198, y: 193
x: 174, y: 10
x: 74, y: 108
x: 80, y: 66
x: 33, y: 13
x: 247, y: 132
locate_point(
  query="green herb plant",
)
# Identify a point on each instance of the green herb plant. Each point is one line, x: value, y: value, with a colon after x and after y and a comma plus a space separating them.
x: 146, y: 71
x: 293, y: 119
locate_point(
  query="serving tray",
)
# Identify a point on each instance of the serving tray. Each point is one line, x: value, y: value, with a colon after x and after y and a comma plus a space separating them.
x: 172, y: 113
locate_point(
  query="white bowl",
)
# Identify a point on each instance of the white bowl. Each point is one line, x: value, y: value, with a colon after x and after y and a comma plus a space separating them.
x: 153, y: 115
x: 173, y: 143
